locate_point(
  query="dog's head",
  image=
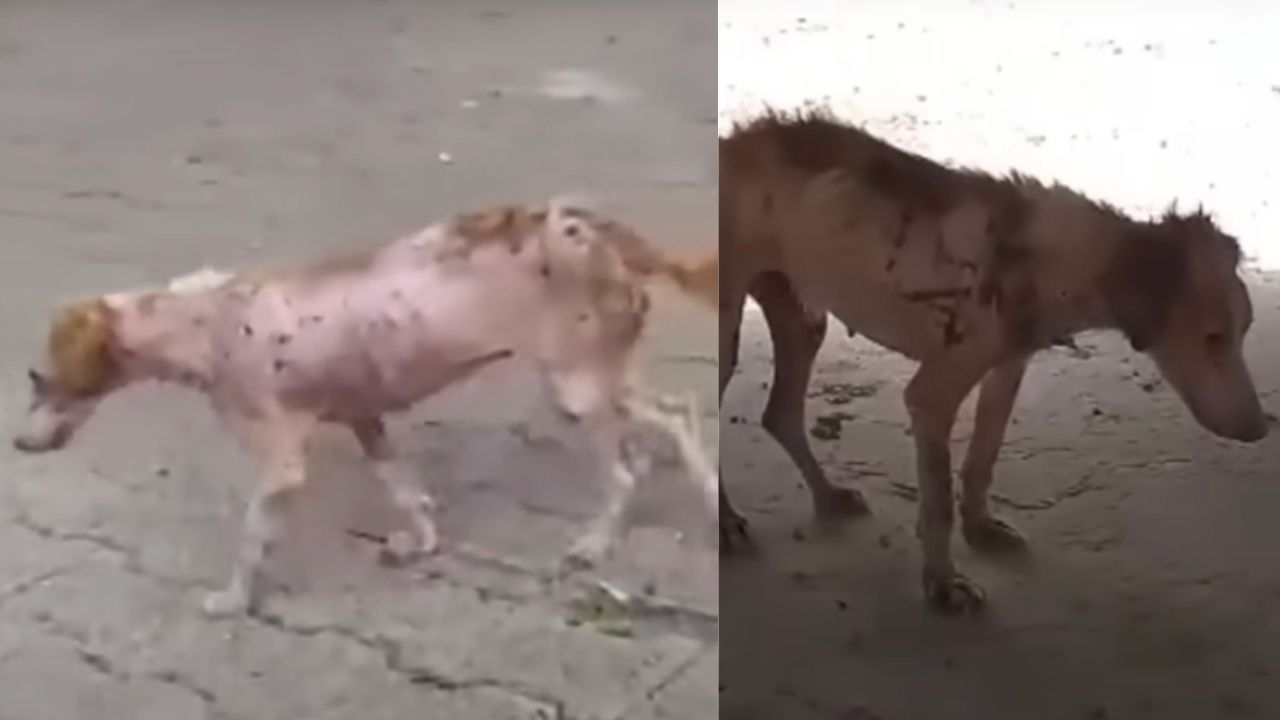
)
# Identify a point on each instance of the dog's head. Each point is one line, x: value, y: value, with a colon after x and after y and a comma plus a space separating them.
x: 78, y: 371
x: 1176, y: 293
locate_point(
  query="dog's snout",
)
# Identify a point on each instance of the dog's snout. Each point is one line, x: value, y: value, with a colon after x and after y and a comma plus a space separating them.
x: 29, y: 444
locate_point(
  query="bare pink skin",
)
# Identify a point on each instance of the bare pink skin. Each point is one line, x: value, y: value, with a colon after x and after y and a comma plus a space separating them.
x: 277, y: 355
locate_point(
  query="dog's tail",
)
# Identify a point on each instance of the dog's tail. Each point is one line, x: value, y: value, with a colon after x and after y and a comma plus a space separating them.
x: 699, y: 278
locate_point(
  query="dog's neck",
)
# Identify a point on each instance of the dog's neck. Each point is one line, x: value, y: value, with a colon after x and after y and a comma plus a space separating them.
x: 1073, y: 289
x: 163, y: 335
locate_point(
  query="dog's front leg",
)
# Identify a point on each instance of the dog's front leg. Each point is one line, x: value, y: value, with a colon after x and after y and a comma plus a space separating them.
x: 406, y: 493
x: 278, y: 444
x: 597, y: 540
x: 982, y: 530
x: 933, y: 398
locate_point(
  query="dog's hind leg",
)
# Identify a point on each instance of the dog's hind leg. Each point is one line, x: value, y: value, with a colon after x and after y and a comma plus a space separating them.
x: 933, y: 398
x: 278, y: 444
x: 733, y: 527
x: 677, y: 418
x: 797, y: 334
x: 405, y: 491
x: 981, y: 529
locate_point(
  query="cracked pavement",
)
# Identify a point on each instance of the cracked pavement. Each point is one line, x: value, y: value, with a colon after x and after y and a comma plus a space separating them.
x: 140, y: 140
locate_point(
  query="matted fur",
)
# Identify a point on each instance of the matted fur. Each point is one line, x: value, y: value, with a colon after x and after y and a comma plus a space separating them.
x: 969, y: 274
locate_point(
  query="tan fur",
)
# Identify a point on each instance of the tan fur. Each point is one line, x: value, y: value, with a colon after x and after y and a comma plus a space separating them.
x: 509, y: 225
x: 699, y: 278
x: 79, y: 347
x: 345, y: 261
x: 969, y: 275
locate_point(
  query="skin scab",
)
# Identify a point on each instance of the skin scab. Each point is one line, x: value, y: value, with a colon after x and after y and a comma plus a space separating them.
x: 951, y: 334
x: 146, y: 305
x: 246, y: 330
x: 283, y: 339
x: 280, y: 365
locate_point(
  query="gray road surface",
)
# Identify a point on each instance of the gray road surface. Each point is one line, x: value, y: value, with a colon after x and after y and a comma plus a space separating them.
x: 141, y: 139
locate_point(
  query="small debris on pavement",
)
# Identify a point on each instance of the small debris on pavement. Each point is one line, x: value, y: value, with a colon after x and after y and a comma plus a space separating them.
x: 844, y: 393
x: 829, y: 427
x: 604, y: 608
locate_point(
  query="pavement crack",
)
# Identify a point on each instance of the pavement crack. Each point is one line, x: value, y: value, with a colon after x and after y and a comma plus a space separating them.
x: 127, y: 555
x: 173, y: 677
x: 676, y: 673
x: 392, y: 656
x: 28, y: 584
x: 100, y: 664
x: 206, y: 696
x: 105, y: 666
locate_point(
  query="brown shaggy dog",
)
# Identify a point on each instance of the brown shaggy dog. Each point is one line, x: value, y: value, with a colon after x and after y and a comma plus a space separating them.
x: 969, y: 275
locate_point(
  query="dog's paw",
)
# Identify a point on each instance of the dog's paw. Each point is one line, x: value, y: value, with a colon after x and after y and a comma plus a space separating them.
x: 953, y: 594
x: 993, y: 535
x: 588, y: 551
x: 403, y: 547
x: 225, y: 603
x: 840, y: 504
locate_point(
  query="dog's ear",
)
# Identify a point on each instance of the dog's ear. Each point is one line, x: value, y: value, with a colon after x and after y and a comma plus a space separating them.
x: 572, y: 204
x: 39, y: 383
x: 80, y: 347
x: 1145, y: 277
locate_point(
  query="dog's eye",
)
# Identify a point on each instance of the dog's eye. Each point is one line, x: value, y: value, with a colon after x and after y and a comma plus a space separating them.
x: 1215, y: 341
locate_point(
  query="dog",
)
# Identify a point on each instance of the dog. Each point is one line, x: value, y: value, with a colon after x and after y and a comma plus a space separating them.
x: 970, y: 275
x: 361, y: 334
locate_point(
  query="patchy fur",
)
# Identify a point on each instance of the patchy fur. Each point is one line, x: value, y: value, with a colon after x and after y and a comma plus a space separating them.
x: 202, y: 280
x: 970, y: 275
x: 353, y: 337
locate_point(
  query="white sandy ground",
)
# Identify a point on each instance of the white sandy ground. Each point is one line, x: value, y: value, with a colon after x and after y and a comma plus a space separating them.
x: 1152, y: 589
x: 140, y: 139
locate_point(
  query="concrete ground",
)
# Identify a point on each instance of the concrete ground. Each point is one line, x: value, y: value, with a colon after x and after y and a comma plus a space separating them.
x: 140, y: 139
x: 1151, y: 589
